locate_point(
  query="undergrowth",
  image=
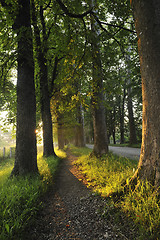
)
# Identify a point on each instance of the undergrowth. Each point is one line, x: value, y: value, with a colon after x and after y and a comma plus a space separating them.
x: 78, y: 151
x: 143, y: 206
x: 19, y: 196
x: 106, y: 175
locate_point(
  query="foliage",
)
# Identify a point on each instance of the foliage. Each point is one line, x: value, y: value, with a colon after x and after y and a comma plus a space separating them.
x: 106, y: 174
x: 68, y: 41
x: 19, y: 197
x: 7, y: 64
x: 143, y: 206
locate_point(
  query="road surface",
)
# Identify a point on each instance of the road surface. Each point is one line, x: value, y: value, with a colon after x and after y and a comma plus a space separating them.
x: 128, y: 152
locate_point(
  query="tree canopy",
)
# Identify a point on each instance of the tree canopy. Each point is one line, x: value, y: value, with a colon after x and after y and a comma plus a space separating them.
x: 86, y: 66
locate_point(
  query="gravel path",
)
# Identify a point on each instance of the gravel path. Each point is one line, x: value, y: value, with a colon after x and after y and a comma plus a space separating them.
x: 72, y: 211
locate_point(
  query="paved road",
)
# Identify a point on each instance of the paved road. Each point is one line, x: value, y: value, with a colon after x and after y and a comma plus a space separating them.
x: 129, y: 152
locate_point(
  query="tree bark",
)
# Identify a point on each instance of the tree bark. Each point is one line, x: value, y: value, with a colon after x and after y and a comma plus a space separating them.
x: 132, y: 128
x: 98, y: 110
x: 48, y: 148
x: 41, y: 50
x: 113, y: 125
x: 121, y: 116
x: 79, y: 138
x: 147, y: 22
x: 26, y: 151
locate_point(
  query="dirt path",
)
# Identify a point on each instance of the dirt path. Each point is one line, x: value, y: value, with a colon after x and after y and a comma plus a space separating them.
x: 71, y: 211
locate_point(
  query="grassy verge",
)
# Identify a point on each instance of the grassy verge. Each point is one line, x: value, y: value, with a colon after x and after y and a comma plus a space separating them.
x: 138, y: 145
x: 140, y: 208
x: 19, y: 197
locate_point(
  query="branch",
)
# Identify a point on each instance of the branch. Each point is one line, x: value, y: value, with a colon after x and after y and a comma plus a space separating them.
x: 35, y: 26
x: 50, y: 28
x: 86, y: 41
x: 73, y: 15
x: 54, y: 75
x: 118, y: 26
x: 111, y: 35
x: 43, y: 25
x: 47, y: 5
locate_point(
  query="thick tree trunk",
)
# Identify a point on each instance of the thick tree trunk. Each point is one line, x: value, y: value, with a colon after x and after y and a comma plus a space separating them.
x: 26, y: 152
x: 98, y: 110
x: 147, y: 21
x: 100, y: 131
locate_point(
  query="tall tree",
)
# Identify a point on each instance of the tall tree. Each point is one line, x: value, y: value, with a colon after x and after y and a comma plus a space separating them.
x: 132, y: 128
x: 98, y: 110
x: 147, y: 22
x: 26, y: 152
x: 41, y: 51
x: 79, y: 136
x: 121, y: 115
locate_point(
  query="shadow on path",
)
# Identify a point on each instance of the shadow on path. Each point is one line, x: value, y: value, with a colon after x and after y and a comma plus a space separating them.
x: 71, y: 211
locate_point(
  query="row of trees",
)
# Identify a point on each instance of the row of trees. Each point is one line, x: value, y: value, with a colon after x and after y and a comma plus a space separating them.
x: 80, y: 60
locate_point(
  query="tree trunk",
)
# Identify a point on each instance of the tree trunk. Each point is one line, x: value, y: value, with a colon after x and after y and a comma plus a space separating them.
x: 147, y: 21
x: 114, y: 136
x: 132, y: 129
x: 48, y: 148
x: 79, y: 138
x: 26, y: 152
x: 113, y: 125
x: 100, y: 132
x: 98, y: 110
x: 41, y: 50
x: 60, y: 132
x: 121, y: 117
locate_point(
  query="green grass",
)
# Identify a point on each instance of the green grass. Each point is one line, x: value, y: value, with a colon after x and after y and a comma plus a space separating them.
x: 106, y: 175
x: 143, y: 206
x: 79, y: 151
x: 19, y: 197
